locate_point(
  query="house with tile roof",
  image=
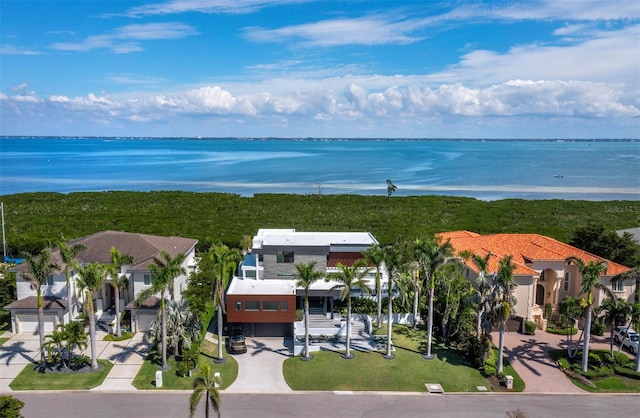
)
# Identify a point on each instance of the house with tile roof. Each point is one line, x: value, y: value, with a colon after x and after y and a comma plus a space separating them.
x: 263, y: 297
x: 142, y: 247
x: 542, y: 273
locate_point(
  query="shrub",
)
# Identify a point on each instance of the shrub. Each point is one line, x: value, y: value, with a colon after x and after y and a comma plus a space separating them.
x: 530, y: 327
x: 562, y: 331
x: 299, y: 314
x: 489, y: 370
x: 548, y: 310
x: 10, y: 407
x: 79, y: 361
x: 597, y: 328
x: 365, y: 306
x: 627, y: 372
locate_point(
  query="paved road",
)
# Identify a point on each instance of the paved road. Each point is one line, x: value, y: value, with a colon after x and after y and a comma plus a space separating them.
x: 326, y: 404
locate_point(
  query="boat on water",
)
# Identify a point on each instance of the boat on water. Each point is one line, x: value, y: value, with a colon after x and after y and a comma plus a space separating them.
x: 558, y: 176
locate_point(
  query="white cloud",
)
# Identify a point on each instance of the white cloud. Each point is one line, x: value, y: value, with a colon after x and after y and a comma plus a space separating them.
x: 360, y: 31
x: 206, y: 6
x: 571, y: 10
x: 127, y: 39
x: 16, y: 50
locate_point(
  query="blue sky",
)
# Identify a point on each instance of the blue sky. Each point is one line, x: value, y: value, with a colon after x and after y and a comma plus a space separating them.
x: 305, y: 68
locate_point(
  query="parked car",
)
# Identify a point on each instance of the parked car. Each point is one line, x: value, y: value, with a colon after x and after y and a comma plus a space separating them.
x: 237, y: 343
x: 627, y: 337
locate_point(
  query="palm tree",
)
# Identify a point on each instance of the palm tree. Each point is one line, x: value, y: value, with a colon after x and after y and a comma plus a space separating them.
x: 616, y: 311
x: 481, y: 295
x: 348, y: 277
x: 390, y: 188
x: 307, y: 275
x: 90, y: 278
x: 569, y: 309
x: 39, y: 269
x: 374, y: 255
x: 75, y: 337
x: 393, y: 260
x: 54, y: 344
x: 205, y: 384
x: 431, y: 255
x: 503, y: 301
x: 164, y: 270
x: 225, y: 261
x: 590, y: 279
x: 68, y: 256
x: 118, y: 281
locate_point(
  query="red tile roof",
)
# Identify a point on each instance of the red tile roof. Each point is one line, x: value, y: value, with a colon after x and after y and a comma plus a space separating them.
x: 345, y: 258
x: 525, y: 249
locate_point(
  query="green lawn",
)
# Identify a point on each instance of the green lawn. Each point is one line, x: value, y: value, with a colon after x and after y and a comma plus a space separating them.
x: 611, y: 384
x: 369, y: 371
x: 30, y: 379
x: 145, y: 379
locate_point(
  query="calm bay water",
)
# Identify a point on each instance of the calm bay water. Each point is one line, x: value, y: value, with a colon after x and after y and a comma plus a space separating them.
x: 590, y: 170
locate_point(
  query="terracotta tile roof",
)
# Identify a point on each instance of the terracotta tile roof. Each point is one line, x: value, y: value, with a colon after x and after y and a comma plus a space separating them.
x: 141, y: 247
x: 525, y: 249
x: 31, y: 302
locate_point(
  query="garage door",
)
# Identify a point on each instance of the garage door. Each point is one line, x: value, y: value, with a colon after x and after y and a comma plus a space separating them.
x: 272, y: 330
x: 29, y: 324
x: 144, y: 322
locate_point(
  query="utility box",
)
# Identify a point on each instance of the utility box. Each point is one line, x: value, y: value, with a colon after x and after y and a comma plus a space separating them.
x: 159, y: 378
x: 508, y: 382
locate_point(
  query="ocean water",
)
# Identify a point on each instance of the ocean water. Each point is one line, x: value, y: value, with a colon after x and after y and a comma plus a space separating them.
x: 488, y: 170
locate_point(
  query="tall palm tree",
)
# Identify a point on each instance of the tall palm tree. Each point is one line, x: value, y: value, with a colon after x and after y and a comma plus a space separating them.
x: 481, y: 295
x: 374, y: 255
x: 164, y: 270
x: 590, y: 272
x: 393, y: 260
x: 118, y: 280
x: 348, y: 277
x: 503, y: 301
x: 307, y: 275
x: 431, y: 255
x: 569, y: 310
x: 205, y: 384
x: 90, y: 278
x: 225, y: 261
x: 39, y: 268
x: 68, y: 256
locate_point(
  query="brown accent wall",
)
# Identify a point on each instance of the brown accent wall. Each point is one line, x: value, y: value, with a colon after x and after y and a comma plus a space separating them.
x: 261, y: 315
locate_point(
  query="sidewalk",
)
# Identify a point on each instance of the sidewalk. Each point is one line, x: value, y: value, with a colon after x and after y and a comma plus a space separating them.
x: 127, y: 357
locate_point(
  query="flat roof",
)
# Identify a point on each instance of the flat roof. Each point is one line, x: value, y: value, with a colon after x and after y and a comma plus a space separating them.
x: 240, y: 286
x: 289, y: 237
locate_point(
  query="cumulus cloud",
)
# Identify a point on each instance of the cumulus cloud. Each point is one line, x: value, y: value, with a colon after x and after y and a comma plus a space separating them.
x: 127, y: 39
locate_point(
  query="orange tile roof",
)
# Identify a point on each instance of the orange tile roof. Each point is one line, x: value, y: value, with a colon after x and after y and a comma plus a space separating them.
x: 345, y: 258
x: 525, y: 249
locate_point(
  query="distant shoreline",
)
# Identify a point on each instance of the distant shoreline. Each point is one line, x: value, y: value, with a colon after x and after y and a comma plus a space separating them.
x: 118, y: 138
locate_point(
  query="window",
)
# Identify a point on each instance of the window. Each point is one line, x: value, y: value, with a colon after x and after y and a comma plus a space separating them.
x: 147, y: 280
x: 252, y: 305
x: 238, y: 305
x: 566, y: 282
x: 617, y: 285
x: 50, y: 280
x: 284, y: 257
x: 284, y: 306
x: 269, y: 306
x: 542, y: 276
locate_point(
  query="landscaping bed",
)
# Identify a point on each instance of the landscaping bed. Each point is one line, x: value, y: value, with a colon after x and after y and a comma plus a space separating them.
x: 52, y: 379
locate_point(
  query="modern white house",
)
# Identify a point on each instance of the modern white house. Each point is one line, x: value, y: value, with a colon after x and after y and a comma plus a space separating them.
x: 57, y: 309
x: 263, y: 297
x: 542, y: 273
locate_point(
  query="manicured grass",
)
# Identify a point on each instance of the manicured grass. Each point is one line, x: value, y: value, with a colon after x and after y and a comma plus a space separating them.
x: 145, y: 379
x: 123, y: 336
x: 3, y: 340
x: 610, y: 384
x: 369, y: 371
x: 30, y: 379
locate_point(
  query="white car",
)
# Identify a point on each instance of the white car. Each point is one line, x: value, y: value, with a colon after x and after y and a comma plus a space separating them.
x: 627, y: 337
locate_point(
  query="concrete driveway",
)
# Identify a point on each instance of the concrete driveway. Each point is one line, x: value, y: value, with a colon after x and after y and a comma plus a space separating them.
x: 260, y: 368
x: 528, y: 354
x: 15, y: 354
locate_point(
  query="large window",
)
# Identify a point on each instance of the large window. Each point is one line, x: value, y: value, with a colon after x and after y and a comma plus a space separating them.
x: 284, y: 257
x: 566, y: 282
x: 147, y: 280
x: 268, y: 305
x: 251, y: 305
